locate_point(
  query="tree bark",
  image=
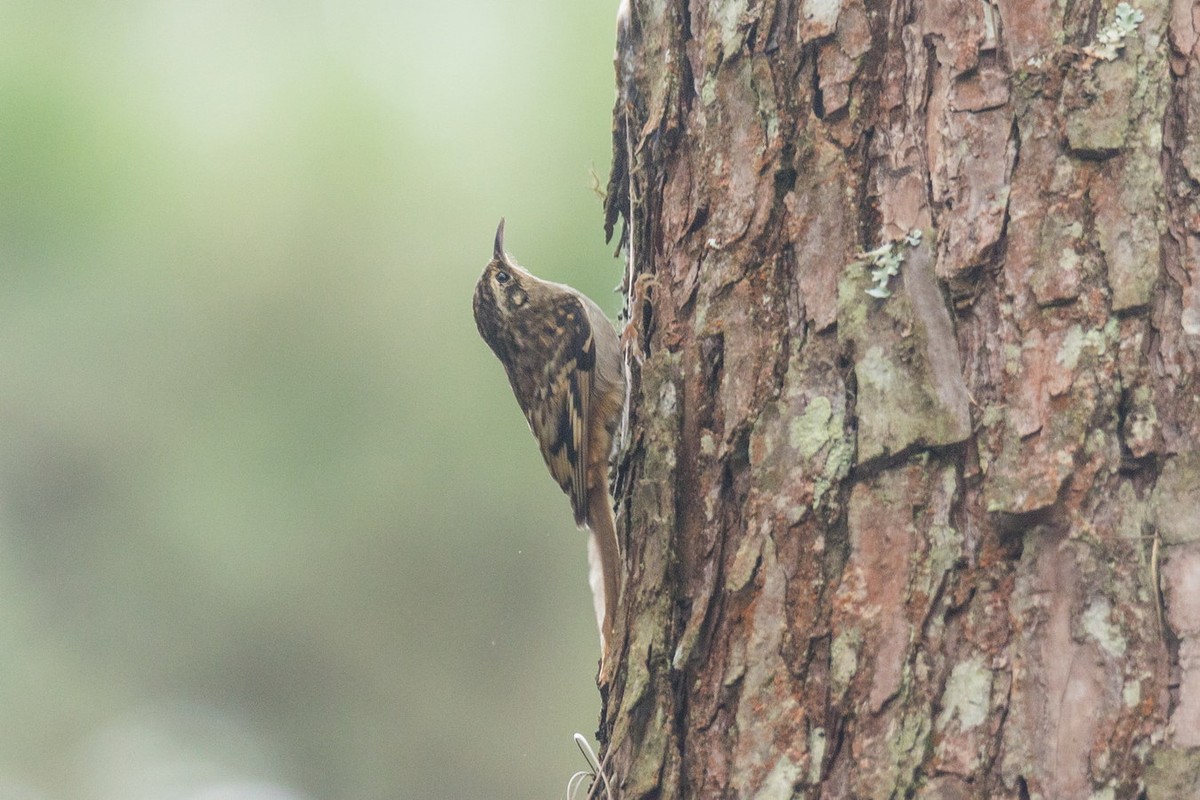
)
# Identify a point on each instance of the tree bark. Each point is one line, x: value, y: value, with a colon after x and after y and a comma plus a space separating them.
x: 938, y: 544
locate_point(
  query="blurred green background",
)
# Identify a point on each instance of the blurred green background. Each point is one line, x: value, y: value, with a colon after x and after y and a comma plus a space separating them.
x: 271, y: 523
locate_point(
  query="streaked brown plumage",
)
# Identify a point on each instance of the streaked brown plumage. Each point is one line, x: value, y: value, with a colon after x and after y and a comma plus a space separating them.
x: 563, y: 360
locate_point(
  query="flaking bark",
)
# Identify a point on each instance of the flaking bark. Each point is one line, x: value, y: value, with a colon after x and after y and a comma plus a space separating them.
x: 939, y: 544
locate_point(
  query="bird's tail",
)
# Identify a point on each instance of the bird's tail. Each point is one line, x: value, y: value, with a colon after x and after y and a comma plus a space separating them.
x: 604, y: 564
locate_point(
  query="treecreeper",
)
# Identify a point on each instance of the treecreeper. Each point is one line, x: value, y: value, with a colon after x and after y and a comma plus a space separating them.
x: 563, y: 359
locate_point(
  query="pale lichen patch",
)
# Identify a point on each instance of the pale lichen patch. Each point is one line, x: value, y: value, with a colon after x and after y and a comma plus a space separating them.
x: 1098, y: 624
x: 843, y: 658
x: 1131, y: 693
x: 810, y: 431
x: 911, y: 388
x: 1076, y: 342
x: 744, y: 564
x: 780, y: 780
x: 967, y: 696
x: 820, y: 17
x: 1110, y: 40
x: 1176, y: 499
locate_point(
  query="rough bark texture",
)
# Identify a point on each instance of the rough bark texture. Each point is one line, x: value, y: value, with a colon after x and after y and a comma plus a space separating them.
x: 943, y: 544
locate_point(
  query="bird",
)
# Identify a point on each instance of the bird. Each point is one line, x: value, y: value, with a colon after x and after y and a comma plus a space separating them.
x: 563, y: 360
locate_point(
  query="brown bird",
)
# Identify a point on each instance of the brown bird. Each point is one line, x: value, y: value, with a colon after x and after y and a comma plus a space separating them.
x: 563, y: 360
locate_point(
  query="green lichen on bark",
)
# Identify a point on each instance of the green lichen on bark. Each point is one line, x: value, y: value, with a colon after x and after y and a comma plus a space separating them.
x: 1116, y: 107
x: 1129, y: 224
x: 1106, y: 92
x: 1173, y: 773
x: 809, y: 431
x: 1061, y: 271
x: 908, y: 743
x: 966, y: 701
x: 781, y: 780
x: 1099, y: 119
x: 1097, y: 622
x: 799, y: 446
x: 644, y: 708
x: 1177, y: 499
x: 910, y: 386
x: 1077, y: 343
x: 644, y: 778
x: 843, y: 660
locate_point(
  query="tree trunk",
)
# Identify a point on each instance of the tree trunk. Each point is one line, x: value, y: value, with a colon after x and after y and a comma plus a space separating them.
x: 937, y: 544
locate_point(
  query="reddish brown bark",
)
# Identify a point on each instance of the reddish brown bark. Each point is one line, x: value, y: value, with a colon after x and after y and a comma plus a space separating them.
x: 908, y: 546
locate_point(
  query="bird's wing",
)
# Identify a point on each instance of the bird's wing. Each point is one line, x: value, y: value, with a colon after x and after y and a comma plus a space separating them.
x: 558, y: 413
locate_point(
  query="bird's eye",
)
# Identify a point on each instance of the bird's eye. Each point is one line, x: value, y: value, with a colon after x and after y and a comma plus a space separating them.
x: 501, y: 276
